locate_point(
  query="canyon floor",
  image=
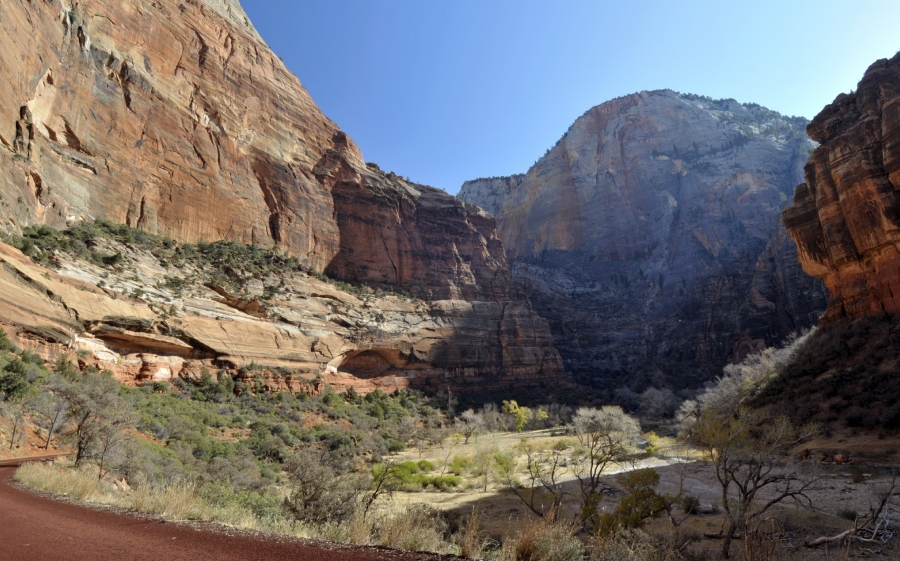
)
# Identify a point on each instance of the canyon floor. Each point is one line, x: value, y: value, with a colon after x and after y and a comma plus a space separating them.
x: 682, y: 471
x: 38, y: 527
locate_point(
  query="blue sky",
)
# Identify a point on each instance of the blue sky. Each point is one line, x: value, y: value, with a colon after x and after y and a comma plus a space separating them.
x: 444, y: 91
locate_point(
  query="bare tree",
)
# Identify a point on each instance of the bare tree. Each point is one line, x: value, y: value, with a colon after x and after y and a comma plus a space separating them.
x: 542, y: 490
x: 97, y: 411
x: 746, y: 450
x: 450, y: 400
x: 14, y: 409
x: 53, y: 409
x: 111, y: 436
x: 494, y: 421
x: 744, y: 380
x: 484, y: 463
x: 658, y: 404
x: 323, y: 487
x: 747, y: 447
x: 409, y: 431
x: 454, y: 442
x: 469, y: 424
x: 605, y: 436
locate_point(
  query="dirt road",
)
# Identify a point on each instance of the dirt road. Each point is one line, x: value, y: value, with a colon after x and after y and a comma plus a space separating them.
x: 33, y: 528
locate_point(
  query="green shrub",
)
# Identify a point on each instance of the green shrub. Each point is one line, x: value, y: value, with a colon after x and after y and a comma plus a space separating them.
x: 690, y: 504
x: 264, y: 506
x: 332, y: 399
x: 66, y: 368
x: 639, y: 502
x: 439, y: 481
x: 395, y: 446
x: 13, y: 379
x: 408, y: 476
x: 461, y: 464
x: 29, y: 357
x: 5, y: 344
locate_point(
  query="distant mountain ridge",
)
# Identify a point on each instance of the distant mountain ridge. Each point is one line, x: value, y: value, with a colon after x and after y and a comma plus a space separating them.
x: 649, y: 236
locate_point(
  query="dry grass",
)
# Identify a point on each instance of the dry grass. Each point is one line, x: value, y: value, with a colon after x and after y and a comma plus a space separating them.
x: 544, y: 540
x: 471, y: 540
x: 415, y: 529
x: 358, y: 530
x: 78, y: 485
x: 627, y: 546
x: 175, y: 501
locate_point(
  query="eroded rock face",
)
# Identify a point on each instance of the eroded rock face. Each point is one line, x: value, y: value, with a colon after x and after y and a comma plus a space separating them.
x: 846, y: 217
x: 175, y: 118
x: 317, y: 333
x: 649, y: 236
x: 163, y: 115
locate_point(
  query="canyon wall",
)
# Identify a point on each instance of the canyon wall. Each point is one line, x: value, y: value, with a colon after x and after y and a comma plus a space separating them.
x: 177, y: 119
x: 650, y: 237
x: 846, y: 216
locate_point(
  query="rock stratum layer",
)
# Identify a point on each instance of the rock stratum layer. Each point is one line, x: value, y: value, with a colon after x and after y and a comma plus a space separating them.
x: 650, y: 237
x: 846, y: 216
x: 175, y: 118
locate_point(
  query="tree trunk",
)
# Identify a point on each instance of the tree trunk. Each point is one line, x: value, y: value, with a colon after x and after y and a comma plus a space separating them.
x: 52, y: 426
x: 12, y: 441
x: 729, y: 536
x: 82, y: 440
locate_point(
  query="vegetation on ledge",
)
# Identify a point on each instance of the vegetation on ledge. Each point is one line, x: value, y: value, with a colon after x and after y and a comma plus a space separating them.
x: 221, y: 263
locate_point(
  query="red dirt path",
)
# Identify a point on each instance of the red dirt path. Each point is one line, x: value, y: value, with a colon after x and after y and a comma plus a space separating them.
x: 34, y: 528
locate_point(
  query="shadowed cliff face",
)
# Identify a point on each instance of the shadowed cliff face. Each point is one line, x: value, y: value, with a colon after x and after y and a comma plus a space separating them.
x: 175, y: 118
x: 650, y: 237
x: 846, y: 217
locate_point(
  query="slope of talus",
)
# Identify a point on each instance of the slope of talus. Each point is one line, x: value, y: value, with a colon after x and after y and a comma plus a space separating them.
x: 175, y: 118
x: 846, y: 216
x: 649, y: 236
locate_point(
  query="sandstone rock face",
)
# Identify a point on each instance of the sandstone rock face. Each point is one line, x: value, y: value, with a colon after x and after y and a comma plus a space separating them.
x: 316, y: 333
x: 163, y: 115
x: 176, y: 118
x: 649, y: 236
x: 846, y: 217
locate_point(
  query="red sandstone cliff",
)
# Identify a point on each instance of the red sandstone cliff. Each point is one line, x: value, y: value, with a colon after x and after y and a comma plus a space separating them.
x: 176, y: 118
x: 846, y: 217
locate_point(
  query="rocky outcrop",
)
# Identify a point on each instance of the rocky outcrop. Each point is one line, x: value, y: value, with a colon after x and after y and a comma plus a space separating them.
x: 846, y: 217
x: 176, y: 118
x: 649, y: 236
x: 304, y: 333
